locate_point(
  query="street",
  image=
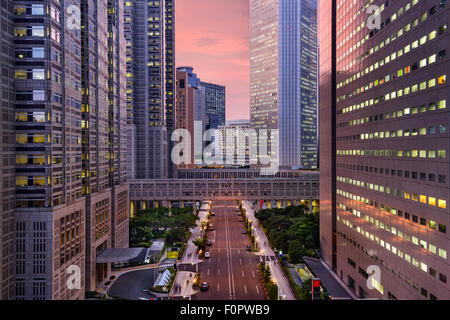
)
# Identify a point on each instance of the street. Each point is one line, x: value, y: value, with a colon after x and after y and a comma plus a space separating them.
x: 232, y: 271
x: 134, y: 285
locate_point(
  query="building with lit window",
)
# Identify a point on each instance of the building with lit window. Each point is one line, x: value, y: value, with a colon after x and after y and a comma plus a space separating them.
x: 68, y: 107
x: 215, y: 105
x: 384, y: 151
x: 283, y: 77
x: 234, y: 143
x: 150, y: 77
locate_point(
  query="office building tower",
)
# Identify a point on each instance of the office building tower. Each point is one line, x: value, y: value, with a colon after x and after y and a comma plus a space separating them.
x: 150, y: 63
x: 8, y: 156
x: 283, y: 76
x: 234, y: 143
x: 68, y: 105
x: 191, y: 108
x: 384, y: 151
x: 170, y: 79
x: 215, y: 105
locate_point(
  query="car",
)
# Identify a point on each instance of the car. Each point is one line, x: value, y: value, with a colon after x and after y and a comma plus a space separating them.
x: 211, y: 227
x: 244, y: 232
x: 249, y: 248
x: 213, y: 214
x: 237, y: 209
x: 241, y: 220
x: 239, y: 214
x: 209, y: 243
x: 204, y: 286
x: 207, y: 254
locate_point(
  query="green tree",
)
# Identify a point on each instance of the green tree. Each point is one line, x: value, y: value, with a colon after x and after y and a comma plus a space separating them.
x: 305, y: 291
x: 272, y: 291
x: 200, y: 243
x: 295, y: 251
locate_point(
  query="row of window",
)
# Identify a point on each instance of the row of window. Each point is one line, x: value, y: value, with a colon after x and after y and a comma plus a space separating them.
x: 397, y: 252
x: 403, y: 112
x: 395, y: 133
x: 403, y: 235
x: 405, y: 215
x: 432, y: 201
x: 441, y: 178
x: 423, y: 154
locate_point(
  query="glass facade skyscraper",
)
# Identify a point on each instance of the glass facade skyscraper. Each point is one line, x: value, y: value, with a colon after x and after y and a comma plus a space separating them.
x: 283, y: 50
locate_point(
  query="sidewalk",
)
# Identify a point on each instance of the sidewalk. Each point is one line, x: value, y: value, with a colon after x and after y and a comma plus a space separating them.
x: 189, y: 257
x: 266, y: 250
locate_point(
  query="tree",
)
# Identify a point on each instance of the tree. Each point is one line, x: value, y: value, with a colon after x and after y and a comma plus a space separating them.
x: 295, y: 251
x: 272, y: 291
x: 200, y: 243
x: 305, y: 291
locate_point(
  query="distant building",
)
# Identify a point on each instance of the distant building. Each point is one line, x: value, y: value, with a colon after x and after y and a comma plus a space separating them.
x: 215, y: 105
x: 234, y: 143
x: 283, y: 77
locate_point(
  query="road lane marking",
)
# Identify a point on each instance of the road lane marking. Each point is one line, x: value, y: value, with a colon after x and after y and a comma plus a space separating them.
x: 245, y: 288
x: 218, y: 287
x: 240, y: 260
x: 208, y: 272
x: 218, y: 271
x: 257, y: 290
x: 253, y: 273
x: 242, y: 273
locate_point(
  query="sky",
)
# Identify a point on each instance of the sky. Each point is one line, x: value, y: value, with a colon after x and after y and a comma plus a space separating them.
x: 212, y: 36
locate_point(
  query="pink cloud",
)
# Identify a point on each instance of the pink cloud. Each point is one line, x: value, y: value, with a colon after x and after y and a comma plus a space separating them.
x: 213, y: 37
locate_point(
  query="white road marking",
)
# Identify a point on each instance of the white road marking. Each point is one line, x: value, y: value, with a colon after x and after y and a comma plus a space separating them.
x: 208, y: 272
x: 242, y: 273
x: 143, y: 299
x: 245, y: 288
x: 218, y: 287
x: 253, y: 273
x: 240, y: 260
x: 257, y: 290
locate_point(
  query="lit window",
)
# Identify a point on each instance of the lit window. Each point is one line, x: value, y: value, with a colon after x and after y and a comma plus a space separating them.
x: 442, y: 203
x: 442, y: 79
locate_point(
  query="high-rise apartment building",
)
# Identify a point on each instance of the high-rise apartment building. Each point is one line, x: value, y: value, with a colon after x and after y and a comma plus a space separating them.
x: 65, y: 104
x: 283, y: 76
x: 150, y: 36
x: 215, y: 105
x: 384, y: 154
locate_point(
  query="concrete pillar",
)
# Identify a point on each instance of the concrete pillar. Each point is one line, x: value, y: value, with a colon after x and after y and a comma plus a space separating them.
x: 310, y: 206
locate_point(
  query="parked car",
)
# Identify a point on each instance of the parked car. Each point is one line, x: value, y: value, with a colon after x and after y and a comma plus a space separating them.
x: 207, y: 254
x: 237, y: 209
x: 241, y: 220
x: 244, y: 232
x: 204, y: 286
x: 249, y: 248
x: 211, y: 227
x: 213, y: 214
x: 209, y: 243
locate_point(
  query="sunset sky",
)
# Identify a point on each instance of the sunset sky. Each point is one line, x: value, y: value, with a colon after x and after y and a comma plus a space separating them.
x: 212, y: 36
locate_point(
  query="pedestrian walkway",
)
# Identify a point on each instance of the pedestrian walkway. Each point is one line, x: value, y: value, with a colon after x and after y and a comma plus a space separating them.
x: 335, y: 287
x: 265, y: 250
x: 181, y: 287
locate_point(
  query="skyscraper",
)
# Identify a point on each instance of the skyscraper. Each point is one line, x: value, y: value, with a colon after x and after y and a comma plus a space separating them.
x: 151, y: 84
x: 7, y: 147
x: 68, y: 104
x: 384, y: 162
x: 215, y: 104
x: 283, y: 75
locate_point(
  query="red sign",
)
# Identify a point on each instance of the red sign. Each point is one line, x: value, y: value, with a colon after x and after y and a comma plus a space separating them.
x: 316, y: 283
